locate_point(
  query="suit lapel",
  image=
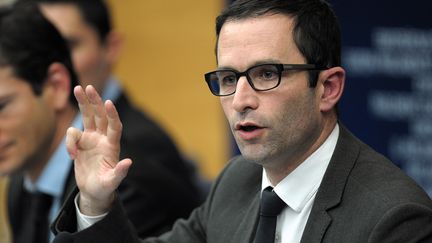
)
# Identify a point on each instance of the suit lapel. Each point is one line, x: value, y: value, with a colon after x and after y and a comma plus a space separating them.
x: 246, y: 229
x: 15, y: 200
x: 330, y: 192
x: 242, y: 215
x: 69, y: 185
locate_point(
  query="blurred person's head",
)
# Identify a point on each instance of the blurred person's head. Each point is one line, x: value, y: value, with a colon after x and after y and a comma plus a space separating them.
x: 36, y: 85
x: 86, y: 26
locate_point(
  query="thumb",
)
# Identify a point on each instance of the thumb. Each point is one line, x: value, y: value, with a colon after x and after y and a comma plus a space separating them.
x: 73, y: 135
x: 121, y: 169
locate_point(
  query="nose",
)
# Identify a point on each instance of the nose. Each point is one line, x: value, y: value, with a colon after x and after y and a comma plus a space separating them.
x: 245, y: 98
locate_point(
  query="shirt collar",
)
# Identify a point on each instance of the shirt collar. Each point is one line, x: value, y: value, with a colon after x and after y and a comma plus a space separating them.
x: 56, y: 172
x: 308, y: 174
x: 111, y: 90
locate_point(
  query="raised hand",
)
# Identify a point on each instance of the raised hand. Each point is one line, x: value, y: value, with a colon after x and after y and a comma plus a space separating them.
x: 95, y: 152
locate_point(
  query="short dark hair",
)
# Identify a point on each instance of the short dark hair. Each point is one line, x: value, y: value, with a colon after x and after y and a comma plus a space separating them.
x: 94, y: 12
x: 29, y: 44
x: 316, y: 29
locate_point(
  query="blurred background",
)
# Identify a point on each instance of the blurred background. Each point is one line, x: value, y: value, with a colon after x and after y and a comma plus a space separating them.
x: 169, y: 45
x: 387, y: 52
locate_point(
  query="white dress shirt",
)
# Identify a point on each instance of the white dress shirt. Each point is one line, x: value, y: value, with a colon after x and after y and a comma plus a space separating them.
x: 298, y: 190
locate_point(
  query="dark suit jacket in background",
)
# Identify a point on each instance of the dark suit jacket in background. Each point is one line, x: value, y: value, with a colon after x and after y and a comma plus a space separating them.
x: 158, y: 188
x: 363, y: 198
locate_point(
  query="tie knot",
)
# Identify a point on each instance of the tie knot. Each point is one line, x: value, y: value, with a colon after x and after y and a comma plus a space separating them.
x: 271, y: 204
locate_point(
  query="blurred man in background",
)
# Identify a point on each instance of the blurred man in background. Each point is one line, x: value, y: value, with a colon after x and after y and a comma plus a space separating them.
x: 95, y: 47
x: 33, y: 126
x: 36, y: 107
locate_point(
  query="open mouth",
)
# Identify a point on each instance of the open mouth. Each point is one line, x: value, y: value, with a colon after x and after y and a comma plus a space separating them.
x: 248, y: 128
x: 249, y: 131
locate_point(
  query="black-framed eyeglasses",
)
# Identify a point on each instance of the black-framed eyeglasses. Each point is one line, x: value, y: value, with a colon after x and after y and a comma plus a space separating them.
x: 260, y: 77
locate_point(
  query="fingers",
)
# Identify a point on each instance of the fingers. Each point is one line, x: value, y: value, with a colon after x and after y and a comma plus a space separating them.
x: 73, y: 135
x: 85, y: 108
x: 93, y: 110
x: 100, y: 116
x: 114, y: 124
x: 97, y: 116
x: 121, y: 170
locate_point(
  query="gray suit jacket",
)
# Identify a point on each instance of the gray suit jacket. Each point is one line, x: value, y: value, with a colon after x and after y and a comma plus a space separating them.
x: 363, y: 198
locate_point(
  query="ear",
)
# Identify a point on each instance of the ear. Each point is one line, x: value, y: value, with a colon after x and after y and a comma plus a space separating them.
x: 114, y: 46
x: 58, y: 86
x: 333, y: 81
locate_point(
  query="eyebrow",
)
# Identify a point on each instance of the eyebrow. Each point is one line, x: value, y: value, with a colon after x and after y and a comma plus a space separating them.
x: 265, y: 61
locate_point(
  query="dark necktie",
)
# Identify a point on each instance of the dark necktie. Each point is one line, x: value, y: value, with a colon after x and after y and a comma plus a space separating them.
x: 36, y: 224
x: 271, y: 207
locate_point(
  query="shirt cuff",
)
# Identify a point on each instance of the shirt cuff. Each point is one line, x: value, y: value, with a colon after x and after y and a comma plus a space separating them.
x: 84, y: 221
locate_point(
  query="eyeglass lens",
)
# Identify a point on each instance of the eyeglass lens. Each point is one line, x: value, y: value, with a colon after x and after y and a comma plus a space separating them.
x: 262, y: 77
